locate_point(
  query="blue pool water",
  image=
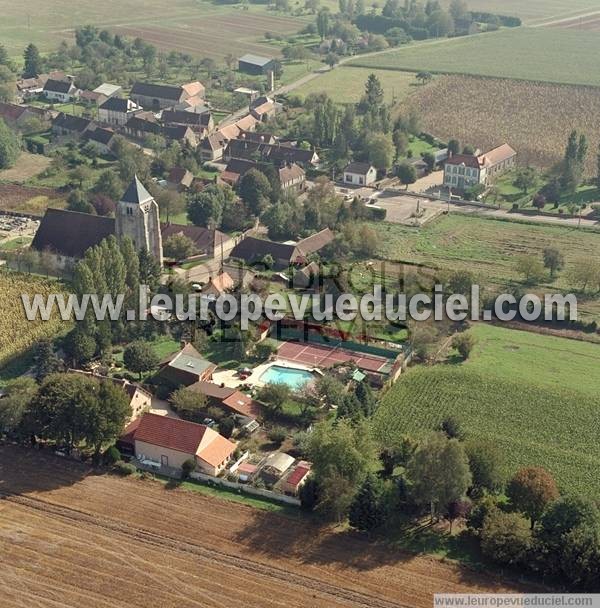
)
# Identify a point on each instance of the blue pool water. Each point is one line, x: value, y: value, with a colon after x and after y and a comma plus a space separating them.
x: 294, y: 378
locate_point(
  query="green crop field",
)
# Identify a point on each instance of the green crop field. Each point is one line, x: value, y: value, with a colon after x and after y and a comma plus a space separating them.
x: 488, y: 248
x: 198, y: 27
x: 346, y: 84
x: 520, y: 391
x: 544, y: 54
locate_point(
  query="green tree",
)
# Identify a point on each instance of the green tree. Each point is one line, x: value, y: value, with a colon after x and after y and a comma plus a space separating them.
x: 109, y: 184
x: 10, y: 146
x: 374, y: 94
x: 525, y: 179
x: 553, y: 260
x: 111, y: 410
x: 506, y: 538
x: 139, y: 357
x: 255, y: 191
x: 274, y: 395
x: 46, y: 361
x: 584, y: 272
x: 439, y: 472
x: 7, y: 84
x: 179, y: 247
x: 424, y: 77
x: 206, y: 208
x: 33, y: 61
x: 323, y: 23
x: 531, y: 490
x: 381, y: 151
x: 453, y: 146
x: 407, y: 174
x: 80, y: 346
x: 530, y: 267
x: 19, y: 394
x: 366, y: 511
x: 190, y: 404
x: 487, y: 464
x: 464, y: 344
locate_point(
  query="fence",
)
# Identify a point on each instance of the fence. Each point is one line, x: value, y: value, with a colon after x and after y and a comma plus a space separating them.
x: 245, y: 489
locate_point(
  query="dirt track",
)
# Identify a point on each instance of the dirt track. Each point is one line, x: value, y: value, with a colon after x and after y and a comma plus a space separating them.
x: 68, y: 538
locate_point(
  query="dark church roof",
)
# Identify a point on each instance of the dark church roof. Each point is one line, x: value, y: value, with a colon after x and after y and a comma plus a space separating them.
x: 71, y: 233
x: 136, y: 193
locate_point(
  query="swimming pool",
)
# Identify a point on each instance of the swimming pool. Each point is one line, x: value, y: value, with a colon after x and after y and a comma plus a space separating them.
x: 295, y: 378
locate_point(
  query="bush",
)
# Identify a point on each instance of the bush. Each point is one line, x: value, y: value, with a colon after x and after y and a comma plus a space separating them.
x: 464, y: 344
x: 506, y: 538
x: 452, y: 428
x: 124, y: 468
x: 277, y: 434
x: 187, y: 467
x: 112, y: 455
x: 226, y: 427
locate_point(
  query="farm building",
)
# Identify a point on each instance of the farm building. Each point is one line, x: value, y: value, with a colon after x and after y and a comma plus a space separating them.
x: 108, y: 90
x: 275, y: 466
x: 159, y: 96
x: 101, y: 139
x: 296, y: 479
x: 67, y: 125
x: 169, y: 442
x: 255, y: 64
x: 117, y: 111
x: 359, y: 174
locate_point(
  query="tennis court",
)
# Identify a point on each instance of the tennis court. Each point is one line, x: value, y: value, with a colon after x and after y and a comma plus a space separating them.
x: 324, y: 356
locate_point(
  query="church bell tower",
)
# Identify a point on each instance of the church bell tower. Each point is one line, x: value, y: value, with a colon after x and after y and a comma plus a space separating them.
x: 137, y: 216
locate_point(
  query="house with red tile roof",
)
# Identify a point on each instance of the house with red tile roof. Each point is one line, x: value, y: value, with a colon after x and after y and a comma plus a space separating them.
x: 296, y: 479
x: 169, y: 442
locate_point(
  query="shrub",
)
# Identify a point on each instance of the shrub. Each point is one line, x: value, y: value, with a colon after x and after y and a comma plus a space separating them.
x: 506, y: 538
x: 277, y: 434
x: 226, y: 427
x: 452, y: 428
x: 464, y: 344
x: 187, y: 467
x: 124, y: 468
x: 112, y: 455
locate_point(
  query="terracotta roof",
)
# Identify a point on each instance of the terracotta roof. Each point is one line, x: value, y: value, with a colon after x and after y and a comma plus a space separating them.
x: 230, y: 131
x: 265, y: 108
x: 218, y: 450
x: 204, y: 239
x: 71, y: 233
x: 246, y: 123
x: 222, y: 282
x: 12, y: 111
x: 290, y: 173
x: 128, y: 435
x: 193, y: 88
x: 464, y: 159
x: 316, y: 242
x: 298, y: 474
x: 242, y: 404
x: 497, y: 155
x: 171, y: 433
x: 92, y: 96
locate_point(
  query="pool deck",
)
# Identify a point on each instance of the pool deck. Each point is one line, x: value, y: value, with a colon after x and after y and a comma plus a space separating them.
x: 231, y: 380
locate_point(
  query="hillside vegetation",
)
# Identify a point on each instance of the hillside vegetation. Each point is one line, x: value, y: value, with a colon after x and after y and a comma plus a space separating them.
x: 519, y: 390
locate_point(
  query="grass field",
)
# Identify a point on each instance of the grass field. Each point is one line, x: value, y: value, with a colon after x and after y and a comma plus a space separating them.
x: 198, y: 27
x: 17, y: 334
x: 346, y: 84
x: 535, y: 118
x: 26, y: 167
x: 541, y: 54
x: 520, y: 391
x: 488, y: 248
x: 532, y: 10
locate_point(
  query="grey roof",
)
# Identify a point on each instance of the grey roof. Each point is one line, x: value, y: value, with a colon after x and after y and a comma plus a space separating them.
x: 58, y: 86
x: 255, y: 59
x: 160, y: 91
x: 136, y: 193
x: 117, y: 104
x: 357, y: 168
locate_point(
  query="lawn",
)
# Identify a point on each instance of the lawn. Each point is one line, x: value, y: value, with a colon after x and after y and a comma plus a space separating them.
x: 18, y: 243
x: 544, y: 54
x: 346, y: 84
x: 487, y: 248
x: 520, y: 391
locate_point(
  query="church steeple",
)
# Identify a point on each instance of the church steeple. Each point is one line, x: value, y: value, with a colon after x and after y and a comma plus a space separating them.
x: 137, y: 216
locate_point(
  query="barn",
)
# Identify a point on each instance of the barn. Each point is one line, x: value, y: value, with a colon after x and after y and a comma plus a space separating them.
x: 255, y: 64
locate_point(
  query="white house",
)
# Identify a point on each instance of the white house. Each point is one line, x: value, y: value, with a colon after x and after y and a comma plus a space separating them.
x: 359, y: 174
x: 466, y: 170
x: 117, y: 111
x: 62, y: 91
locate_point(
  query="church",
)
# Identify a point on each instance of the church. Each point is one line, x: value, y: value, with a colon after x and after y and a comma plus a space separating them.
x: 67, y: 235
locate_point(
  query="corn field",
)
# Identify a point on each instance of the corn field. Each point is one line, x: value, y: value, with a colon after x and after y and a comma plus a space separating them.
x: 17, y: 334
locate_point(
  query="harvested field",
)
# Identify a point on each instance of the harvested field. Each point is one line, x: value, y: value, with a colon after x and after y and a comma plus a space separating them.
x: 72, y: 539
x: 28, y: 199
x: 534, y: 118
x: 216, y: 35
x: 25, y: 168
x: 589, y: 23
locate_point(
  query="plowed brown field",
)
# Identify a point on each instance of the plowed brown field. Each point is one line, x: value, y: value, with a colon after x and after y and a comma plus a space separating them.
x: 69, y: 538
